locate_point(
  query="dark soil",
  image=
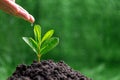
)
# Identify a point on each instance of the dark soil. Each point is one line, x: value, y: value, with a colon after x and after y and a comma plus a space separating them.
x: 46, y: 70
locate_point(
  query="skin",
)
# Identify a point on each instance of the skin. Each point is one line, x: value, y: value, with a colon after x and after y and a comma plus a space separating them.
x: 10, y: 7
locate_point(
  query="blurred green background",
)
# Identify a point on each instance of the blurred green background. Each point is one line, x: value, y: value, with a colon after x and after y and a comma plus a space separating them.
x: 89, y: 32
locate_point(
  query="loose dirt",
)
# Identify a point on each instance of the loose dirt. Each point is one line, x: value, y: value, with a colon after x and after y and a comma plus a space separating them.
x: 46, y: 70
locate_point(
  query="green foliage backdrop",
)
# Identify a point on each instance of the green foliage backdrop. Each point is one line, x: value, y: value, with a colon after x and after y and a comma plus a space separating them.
x: 88, y: 30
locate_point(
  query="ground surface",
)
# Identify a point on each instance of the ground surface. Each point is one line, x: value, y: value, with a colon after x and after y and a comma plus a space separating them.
x: 46, y: 70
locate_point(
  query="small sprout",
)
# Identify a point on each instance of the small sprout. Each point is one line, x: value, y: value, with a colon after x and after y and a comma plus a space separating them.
x: 41, y: 45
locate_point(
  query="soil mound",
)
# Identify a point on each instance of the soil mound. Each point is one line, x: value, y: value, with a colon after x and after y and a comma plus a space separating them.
x: 46, y: 70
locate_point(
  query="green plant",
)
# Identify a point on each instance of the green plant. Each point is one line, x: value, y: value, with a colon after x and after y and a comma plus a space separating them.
x: 41, y: 45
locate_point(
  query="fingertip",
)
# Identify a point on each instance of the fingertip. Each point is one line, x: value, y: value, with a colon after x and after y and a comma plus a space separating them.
x: 31, y: 19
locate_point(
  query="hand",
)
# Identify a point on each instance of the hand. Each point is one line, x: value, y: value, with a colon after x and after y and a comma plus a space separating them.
x: 11, y: 7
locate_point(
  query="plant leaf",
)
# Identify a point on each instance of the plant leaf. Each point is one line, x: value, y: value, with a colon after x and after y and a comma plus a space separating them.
x: 47, y: 35
x: 31, y: 42
x: 49, y: 44
x: 37, y: 33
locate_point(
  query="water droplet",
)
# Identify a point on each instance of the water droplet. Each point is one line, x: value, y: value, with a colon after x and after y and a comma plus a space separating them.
x: 31, y: 24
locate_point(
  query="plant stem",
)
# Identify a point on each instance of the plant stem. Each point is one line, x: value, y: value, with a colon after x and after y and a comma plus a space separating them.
x: 39, y: 56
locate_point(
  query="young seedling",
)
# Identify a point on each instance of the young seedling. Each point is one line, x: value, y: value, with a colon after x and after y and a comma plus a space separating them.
x: 41, y: 45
